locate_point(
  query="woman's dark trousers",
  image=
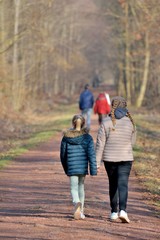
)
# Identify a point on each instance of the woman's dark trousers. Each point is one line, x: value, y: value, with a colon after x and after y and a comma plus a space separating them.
x: 118, y: 175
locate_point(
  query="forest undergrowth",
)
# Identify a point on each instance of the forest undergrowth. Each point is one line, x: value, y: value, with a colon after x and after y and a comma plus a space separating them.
x: 147, y: 153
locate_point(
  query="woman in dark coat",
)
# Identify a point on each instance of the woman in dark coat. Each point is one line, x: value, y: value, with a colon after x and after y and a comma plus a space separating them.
x: 77, y: 154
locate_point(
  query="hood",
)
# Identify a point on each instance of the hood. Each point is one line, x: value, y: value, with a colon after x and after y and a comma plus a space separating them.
x: 75, y: 137
x: 101, y: 96
x: 120, y: 112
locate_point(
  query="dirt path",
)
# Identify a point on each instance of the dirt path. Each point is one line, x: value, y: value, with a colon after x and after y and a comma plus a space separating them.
x: 35, y: 202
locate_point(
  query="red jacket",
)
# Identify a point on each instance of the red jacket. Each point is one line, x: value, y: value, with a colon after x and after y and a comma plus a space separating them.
x: 101, y: 105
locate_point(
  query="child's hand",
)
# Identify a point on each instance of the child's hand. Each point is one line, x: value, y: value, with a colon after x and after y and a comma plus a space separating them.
x: 98, y: 169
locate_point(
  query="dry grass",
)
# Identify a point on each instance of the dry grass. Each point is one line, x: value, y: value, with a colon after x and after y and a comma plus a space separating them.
x: 22, y: 135
x: 147, y: 153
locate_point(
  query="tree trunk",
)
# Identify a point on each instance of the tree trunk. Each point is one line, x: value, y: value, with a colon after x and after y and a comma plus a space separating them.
x: 15, y: 85
x: 145, y: 73
x: 2, y: 31
x: 2, y: 55
x: 127, y: 54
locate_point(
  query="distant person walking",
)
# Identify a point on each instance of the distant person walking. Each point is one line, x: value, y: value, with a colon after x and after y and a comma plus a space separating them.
x: 115, y: 138
x: 86, y: 102
x: 102, y: 106
x: 77, y: 153
x: 96, y: 79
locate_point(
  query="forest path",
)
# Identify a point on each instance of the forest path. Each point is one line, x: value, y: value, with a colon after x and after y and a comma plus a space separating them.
x: 35, y: 202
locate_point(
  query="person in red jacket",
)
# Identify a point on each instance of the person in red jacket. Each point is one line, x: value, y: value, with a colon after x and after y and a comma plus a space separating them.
x: 102, y: 106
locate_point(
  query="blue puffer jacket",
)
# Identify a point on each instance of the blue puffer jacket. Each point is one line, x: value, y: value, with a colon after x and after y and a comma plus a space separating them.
x: 77, y: 153
x: 86, y: 100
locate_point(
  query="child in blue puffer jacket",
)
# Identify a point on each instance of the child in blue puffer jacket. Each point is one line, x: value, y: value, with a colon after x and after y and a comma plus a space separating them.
x: 77, y: 154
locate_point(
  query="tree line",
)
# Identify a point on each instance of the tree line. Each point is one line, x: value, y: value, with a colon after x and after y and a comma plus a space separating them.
x: 49, y: 49
x: 136, y: 34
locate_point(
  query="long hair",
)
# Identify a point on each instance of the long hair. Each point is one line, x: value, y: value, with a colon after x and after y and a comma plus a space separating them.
x: 75, y: 118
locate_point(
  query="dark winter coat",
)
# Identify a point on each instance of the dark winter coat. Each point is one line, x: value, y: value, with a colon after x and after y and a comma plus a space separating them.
x: 86, y: 100
x: 77, y: 153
